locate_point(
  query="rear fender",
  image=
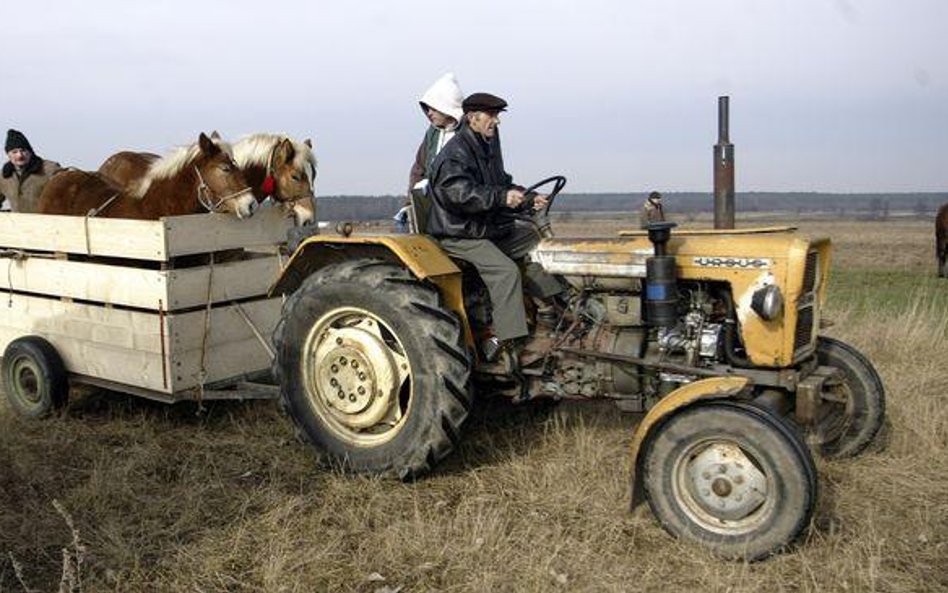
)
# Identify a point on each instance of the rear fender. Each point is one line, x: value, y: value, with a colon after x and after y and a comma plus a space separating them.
x: 420, y: 254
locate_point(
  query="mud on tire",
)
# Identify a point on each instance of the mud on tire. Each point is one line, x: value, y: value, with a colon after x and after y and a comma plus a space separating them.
x: 373, y: 369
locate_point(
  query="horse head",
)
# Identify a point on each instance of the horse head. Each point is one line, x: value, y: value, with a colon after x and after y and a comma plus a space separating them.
x: 281, y: 169
x: 294, y: 175
x: 222, y: 186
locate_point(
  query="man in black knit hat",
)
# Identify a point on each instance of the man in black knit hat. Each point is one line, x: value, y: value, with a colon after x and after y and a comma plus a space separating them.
x: 24, y: 175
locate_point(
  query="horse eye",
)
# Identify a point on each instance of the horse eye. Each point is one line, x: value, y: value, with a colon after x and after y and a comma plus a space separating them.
x: 297, y: 177
x: 226, y: 168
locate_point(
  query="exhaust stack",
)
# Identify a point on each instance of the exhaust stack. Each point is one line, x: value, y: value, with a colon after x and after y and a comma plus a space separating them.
x: 723, y: 171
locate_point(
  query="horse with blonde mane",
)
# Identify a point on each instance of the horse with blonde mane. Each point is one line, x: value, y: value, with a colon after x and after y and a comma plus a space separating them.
x: 202, y: 177
x: 275, y: 166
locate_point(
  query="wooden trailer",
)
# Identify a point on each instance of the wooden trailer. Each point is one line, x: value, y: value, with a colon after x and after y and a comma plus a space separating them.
x: 170, y: 310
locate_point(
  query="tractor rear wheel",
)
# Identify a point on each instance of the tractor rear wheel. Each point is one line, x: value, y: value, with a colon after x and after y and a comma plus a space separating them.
x: 853, y: 408
x: 373, y: 368
x: 730, y: 476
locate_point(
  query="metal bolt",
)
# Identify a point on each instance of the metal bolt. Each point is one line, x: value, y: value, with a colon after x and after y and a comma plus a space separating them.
x: 361, y: 390
x: 334, y: 368
x: 333, y: 382
x: 352, y: 397
x: 361, y: 376
x: 341, y: 394
x: 339, y: 341
x: 355, y: 364
x: 343, y: 361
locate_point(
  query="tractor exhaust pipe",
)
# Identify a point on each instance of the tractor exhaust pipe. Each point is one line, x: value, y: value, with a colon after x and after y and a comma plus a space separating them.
x: 723, y: 171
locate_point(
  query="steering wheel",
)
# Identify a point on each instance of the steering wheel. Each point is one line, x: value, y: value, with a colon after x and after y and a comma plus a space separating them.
x: 559, y: 183
x: 540, y: 220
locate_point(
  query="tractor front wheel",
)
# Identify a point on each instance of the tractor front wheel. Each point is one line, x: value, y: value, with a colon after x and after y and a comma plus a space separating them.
x: 730, y: 476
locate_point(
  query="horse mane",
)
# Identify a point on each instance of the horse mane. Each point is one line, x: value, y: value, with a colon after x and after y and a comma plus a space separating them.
x: 171, y: 164
x: 256, y: 149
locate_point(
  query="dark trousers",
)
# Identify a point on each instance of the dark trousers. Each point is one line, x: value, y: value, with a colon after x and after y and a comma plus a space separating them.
x: 496, y: 263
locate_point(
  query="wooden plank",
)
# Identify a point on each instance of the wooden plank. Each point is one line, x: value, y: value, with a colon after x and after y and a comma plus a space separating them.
x: 96, y: 359
x: 187, y: 287
x: 200, y: 233
x: 136, y: 239
x: 186, y: 330
x: 224, y: 361
x: 153, y: 240
x: 117, y: 328
x: 137, y: 287
x: 116, y: 285
x: 125, y: 346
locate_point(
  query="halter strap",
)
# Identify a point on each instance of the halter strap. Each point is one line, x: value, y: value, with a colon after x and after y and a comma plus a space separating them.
x: 206, y: 197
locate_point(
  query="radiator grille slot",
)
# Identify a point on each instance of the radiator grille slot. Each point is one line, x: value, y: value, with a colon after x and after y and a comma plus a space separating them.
x: 806, y: 305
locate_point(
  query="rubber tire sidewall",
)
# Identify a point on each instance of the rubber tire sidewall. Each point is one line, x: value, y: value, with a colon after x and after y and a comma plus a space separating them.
x: 409, y: 450
x: 868, y: 397
x: 52, y: 380
x: 778, y: 446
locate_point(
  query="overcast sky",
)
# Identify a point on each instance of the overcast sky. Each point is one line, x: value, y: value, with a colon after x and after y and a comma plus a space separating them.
x: 619, y: 95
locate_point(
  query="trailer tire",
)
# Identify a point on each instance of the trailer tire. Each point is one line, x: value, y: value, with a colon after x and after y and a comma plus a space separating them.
x: 373, y: 369
x: 730, y: 476
x: 34, y: 377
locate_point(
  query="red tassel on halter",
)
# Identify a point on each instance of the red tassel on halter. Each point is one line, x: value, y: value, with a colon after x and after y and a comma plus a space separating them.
x: 269, y: 185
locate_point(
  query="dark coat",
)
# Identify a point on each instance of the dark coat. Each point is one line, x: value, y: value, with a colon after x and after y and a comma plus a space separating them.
x: 469, y: 186
x: 23, y: 190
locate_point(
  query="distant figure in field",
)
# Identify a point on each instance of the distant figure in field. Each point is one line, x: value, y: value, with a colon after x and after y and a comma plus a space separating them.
x: 401, y: 219
x: 652, y: 210
x: 24, y: 175
x: 941, y: 240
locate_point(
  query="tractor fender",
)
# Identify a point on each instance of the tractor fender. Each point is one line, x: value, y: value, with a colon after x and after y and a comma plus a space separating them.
x: 711, y: 388
x: 419, y: 253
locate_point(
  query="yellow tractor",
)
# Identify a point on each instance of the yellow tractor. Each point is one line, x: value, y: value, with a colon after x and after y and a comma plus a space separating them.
x: 713, y: 335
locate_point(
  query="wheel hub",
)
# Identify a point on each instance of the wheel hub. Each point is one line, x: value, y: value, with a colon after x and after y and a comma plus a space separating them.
x: 357, y: 375
x: 26, y: 382
x: 724, y: 482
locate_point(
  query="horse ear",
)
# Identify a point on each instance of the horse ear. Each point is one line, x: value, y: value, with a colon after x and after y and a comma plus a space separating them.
x: 207, y: 145
x: 215, y: 135
x: 308, y: 142
x: 286, y: 151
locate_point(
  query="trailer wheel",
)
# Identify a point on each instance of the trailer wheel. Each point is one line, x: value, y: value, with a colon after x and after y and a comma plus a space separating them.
x: 34, y: 377
x: 373, y: 369
x: 730, y: 476
x: 853, y: 409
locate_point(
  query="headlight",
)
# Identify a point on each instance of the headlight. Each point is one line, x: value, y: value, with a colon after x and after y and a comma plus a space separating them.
x: 768, y: 302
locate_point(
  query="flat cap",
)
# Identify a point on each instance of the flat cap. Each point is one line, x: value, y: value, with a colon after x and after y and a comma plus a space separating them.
x: 483, y: 102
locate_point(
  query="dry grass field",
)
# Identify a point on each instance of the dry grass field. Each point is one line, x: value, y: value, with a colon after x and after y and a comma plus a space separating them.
x: 224, y: 499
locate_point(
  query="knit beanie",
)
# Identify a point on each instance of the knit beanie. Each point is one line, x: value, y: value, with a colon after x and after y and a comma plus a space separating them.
x: 16, y: 139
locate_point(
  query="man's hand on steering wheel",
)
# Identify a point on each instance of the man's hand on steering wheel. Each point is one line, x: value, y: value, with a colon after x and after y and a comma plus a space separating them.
x: 514, y: 198
x: 540, y: 201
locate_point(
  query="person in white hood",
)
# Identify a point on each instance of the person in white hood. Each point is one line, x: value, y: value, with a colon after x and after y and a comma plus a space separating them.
x: 441, y: 104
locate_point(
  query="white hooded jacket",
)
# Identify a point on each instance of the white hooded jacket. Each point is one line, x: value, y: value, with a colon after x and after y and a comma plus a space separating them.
x: 444, y: 95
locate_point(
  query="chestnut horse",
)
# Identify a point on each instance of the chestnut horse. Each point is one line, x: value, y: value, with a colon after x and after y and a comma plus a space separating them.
x: 199, y: 178
x: 274, y: 166
x: 941, y: 240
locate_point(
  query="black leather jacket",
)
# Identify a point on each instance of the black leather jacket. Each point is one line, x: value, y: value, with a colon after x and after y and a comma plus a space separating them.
x: 469, y: 186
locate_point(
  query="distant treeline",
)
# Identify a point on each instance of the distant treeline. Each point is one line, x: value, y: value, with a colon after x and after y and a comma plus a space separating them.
x: 877, y: 205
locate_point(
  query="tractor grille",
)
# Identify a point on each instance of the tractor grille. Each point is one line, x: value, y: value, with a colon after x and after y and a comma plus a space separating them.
x: 806, y: 306
x: 809, y: 272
